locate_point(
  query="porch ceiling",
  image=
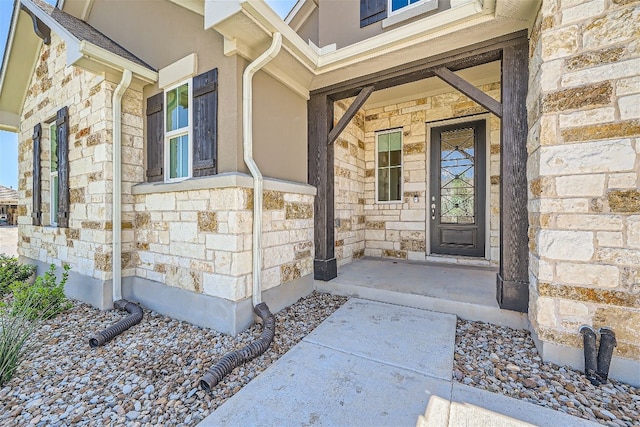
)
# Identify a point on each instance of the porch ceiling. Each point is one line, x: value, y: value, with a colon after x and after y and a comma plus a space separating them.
x: 478, y: 75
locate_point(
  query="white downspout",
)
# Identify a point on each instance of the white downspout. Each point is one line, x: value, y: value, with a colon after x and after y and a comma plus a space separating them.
x: 247, y: 144
x: 117, y: 184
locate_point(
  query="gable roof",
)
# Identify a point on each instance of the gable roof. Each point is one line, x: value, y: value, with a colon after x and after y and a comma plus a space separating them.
x: 85, y: 32
x: 8, y: 195
x: 86, y: 48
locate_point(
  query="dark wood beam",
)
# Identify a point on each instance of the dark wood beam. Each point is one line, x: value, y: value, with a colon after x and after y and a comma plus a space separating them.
x: 348, y: 115
x: 469, y: 56
x: 321, y: 175
x: 513, y: 278
x: 470, y: 90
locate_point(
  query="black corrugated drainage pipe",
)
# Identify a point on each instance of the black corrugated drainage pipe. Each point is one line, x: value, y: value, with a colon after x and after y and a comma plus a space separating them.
x: 231, y: 360
x: 134, y: 317
x: 590, y: 354
x: 605, y: 352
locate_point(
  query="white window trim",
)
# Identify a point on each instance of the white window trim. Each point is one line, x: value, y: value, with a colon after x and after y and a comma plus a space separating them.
x: 53, y: 214
x: 178, y: 132
x: 400, y: 200
x: 408, y: 12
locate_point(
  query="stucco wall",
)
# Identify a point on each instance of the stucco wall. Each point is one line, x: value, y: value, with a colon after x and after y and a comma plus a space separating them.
x: 140, y: 25
x: 279, y: 130
x: 583, y: 172
x: 310, y: 29
x: 339, y: 22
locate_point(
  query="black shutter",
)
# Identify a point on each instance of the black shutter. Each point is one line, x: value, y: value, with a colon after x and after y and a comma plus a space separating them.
x: 372, y: 11
x: 205, y: 123
x: 62, y: 134
x: 36, y: 215
x: 155, y: 138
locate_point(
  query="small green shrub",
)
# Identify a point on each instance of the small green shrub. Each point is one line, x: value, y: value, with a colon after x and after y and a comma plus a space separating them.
x: 12, y: 271
x: 44, y: 299
x: 15, y: 330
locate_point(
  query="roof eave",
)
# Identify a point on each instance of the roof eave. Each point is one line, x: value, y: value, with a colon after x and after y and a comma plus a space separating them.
x: 82, y: 54
x: 12, y: 31
x: 103, y: 60
x: 248, y: 25
x: 9, y: 121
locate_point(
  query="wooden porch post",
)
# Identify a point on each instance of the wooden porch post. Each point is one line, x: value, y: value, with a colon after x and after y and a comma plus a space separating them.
x: 513, y: 278
x: 320, y: 175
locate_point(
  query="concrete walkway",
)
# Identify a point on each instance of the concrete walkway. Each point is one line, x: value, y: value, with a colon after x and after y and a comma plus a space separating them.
x: 375, y: 364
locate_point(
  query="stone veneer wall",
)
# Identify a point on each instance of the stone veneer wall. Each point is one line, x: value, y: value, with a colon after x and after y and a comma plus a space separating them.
x: 349, y: 187
x: 201, y: 240
x: 86, y: 243
x: 583, y: 172
x: 399, y: 230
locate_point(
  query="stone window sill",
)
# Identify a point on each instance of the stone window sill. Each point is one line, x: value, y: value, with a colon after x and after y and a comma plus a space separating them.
x: 223, y: 180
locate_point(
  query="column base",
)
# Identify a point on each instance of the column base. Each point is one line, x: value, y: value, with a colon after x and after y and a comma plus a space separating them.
x: 325, y: 269
x: 512, y: 295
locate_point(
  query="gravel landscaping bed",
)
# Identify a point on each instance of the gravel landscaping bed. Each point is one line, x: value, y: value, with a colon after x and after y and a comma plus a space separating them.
x: 149, y: 375
x: 504, y: 360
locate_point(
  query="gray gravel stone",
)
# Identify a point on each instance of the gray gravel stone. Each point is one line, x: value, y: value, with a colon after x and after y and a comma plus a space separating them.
x: 521, y: 374
x: 147, y: 376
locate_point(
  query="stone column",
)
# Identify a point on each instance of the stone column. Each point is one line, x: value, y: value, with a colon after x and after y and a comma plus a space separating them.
x: 583, y: 175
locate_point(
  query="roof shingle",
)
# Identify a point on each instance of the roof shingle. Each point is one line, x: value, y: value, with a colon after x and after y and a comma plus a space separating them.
x: 85, y: 32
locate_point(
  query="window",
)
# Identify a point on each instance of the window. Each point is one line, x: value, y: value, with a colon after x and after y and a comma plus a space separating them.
x: 178, y: 132
x: 395, y: 5
x: 58, y: 167
x: 53, y: 174
x: 182, y: 130
x: 389, y: 165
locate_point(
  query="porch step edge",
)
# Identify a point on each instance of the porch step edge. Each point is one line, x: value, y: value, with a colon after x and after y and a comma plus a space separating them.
x: 464, y: 310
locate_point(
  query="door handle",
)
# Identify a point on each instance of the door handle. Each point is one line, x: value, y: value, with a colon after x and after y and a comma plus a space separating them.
x: 433, y: 211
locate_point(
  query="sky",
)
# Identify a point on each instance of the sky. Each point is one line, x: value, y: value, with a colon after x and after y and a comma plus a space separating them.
x: 8, y: 140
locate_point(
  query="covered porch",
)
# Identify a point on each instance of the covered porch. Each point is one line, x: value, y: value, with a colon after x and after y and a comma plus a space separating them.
x: 353, y: 220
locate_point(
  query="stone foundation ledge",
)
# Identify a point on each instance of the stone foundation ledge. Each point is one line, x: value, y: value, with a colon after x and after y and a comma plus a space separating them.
x: 624, y: 370
x: 226, y: 316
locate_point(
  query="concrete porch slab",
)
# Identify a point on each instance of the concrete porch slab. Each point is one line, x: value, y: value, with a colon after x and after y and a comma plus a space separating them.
x: 466, y: 291
x: 417, y: 340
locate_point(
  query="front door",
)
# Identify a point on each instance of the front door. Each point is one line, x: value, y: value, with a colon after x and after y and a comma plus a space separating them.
x: 457, y: 204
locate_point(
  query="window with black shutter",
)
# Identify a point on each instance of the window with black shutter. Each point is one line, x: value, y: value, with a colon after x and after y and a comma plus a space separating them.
x: 36, y: 215
x: 62, y: 139
x: 182, y: 130
x: 372, y: 11
x: 155, y: 138
x: 205, y: 123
